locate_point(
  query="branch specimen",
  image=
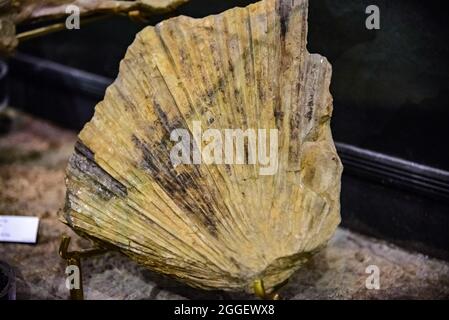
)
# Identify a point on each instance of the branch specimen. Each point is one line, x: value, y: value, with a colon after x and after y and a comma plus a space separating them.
x: 14, y: 12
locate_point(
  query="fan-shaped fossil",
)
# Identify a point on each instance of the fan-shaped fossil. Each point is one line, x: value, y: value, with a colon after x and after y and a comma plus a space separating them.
x: 212, y: 225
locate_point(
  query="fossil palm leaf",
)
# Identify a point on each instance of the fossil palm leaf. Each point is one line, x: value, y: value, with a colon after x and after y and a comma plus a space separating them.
x: 212, y: 226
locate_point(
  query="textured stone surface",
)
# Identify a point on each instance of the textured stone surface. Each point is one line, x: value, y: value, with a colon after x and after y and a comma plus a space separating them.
x: 32, y: 163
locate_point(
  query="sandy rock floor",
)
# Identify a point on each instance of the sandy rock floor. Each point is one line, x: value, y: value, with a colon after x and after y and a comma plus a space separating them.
x: 33, y: 157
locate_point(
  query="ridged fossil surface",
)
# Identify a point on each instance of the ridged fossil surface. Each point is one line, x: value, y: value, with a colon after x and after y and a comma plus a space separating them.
x: 213, y: 226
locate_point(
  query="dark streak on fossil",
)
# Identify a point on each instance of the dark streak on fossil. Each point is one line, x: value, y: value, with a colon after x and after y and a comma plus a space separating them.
x: 284, y: 8
x: 67, y: 208
x: 83, y: 160
x: 181, y: 186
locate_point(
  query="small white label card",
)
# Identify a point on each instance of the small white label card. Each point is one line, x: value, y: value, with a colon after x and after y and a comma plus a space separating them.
x: 18, y: 229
